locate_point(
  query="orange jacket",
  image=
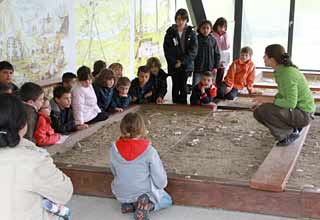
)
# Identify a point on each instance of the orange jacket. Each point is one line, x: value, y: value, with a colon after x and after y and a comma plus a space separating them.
x: 241, y: 75
x: 44, y: 134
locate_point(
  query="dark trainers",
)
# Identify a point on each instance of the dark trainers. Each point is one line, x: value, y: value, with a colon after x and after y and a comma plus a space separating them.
x: 144, y: 205
x: 127, y: 207
x: 288, y: 140
x: 297, y: 130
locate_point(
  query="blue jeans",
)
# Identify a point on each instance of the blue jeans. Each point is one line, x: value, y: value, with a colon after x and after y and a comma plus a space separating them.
x: 165, y: 202
x: 222, y: 92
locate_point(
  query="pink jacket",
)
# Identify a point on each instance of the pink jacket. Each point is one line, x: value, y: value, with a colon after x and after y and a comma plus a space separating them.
x: 84, y: 104
x: 222, y: 41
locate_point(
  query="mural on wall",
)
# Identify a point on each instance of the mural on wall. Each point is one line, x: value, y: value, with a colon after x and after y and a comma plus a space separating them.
x: 103, y: 32
x: 43, y: 39
x: 32, y: 37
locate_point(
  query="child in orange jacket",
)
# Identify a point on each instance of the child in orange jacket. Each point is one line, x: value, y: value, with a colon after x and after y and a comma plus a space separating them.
x: 241, y: 74
x: 44, y: 133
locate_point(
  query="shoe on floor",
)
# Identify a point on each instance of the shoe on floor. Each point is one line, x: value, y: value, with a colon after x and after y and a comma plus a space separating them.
x: 288, y: 140
x: 144, y: 206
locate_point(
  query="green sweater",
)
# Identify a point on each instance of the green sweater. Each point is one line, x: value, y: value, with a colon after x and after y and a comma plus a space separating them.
x: 293, y: 90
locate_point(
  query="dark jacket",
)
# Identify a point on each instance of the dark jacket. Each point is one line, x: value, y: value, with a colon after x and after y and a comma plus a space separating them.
x: 173, y: 50
x: 139, y: 93
x: 62, y: 121
x: 159, y: 85
x: 197, y: 98
x: 15, y: 89
x: 32, y: 120
x: 120, y: 102
x: 208, y: 56
x: 104, y: 96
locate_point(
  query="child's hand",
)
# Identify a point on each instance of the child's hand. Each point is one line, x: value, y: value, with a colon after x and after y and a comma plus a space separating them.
x: 228, y: 90
x: 134, y: 98
x: 214, y: 106
x: 178, y: 64
x: 203, y: 90
x: 159, y: 100
x: 148, y: 94
x: 118, y: 109
x: 81, y: 127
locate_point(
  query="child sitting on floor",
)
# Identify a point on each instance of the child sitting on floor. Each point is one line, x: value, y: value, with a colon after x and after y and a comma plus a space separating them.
x: 139, y: 175
x: 32, y: 96
x: 121, y: 99
x: 62, y: 120
x: 44, y: 133
x: 241, y: 74
x: 103, y: 87
x: 141, y: 87
x: 69, y: 80
x: 84, y: 100
x: 204, y: 92
x: 159, y: 80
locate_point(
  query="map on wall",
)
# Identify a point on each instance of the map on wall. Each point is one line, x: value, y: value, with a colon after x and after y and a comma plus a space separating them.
x: 33, y: 36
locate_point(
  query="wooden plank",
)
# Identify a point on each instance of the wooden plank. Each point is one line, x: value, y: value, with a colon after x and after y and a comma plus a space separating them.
x: 49, y: 82
x: 79, y: 135
x: 274, y: 172
x: 196, y: 191
x: 274, y: 86
x: 311, y: 203
x: 312, y: 76
x: 246, y: 95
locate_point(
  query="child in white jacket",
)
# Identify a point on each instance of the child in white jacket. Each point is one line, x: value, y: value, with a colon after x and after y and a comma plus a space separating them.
x: 84, y: 101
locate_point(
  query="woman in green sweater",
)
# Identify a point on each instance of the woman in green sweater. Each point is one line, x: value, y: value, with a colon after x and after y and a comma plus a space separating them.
x: 293, y: 106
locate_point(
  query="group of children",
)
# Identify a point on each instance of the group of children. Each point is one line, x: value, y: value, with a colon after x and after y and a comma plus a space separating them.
x: 206, y: 55
x: 89, y: 97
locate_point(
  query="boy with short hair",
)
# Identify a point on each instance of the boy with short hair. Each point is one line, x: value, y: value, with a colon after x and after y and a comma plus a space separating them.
x: 141, y: 87
x: 241, y: 74
x: 121, y: 99
x: 6, y: 73
x: 204, y: 92
x: 33, y: 96
x: 62, y: 120
x: 69, y: 80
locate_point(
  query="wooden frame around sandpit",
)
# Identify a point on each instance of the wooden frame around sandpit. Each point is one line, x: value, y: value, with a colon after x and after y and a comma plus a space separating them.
x: 207, y: 191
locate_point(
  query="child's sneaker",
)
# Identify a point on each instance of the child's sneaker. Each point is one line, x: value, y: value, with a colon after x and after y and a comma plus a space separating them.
x: 58, y: 210
x: 144, y: 206
x: 127, y: 207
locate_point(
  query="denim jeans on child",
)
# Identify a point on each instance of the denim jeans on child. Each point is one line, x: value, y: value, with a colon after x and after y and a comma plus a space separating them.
x: 164, y: 203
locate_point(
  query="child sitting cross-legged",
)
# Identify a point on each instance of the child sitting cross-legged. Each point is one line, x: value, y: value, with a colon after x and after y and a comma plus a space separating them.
x: 139, y: 175
x: 205, y: 91
x: 241, y: 74
x: 44, y: 133
x: 121, y: 99
x: 141, y: 87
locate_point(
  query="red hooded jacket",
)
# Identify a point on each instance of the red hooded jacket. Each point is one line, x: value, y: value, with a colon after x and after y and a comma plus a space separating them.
x: 44, y: 134
x: 130, y: 149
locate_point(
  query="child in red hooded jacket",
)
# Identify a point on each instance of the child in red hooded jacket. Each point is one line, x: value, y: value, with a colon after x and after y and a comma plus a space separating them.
x: 44, y: 133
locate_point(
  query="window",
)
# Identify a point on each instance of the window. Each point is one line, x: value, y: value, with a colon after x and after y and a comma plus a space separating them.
x: 214, y: 9
x: 306, y: 41
x: 264, y: 23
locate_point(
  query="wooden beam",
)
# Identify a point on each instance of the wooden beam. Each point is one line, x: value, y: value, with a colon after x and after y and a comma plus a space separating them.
x: 311, y: 76
x: 274, y: 172
x: 274, y: 86
x: 206, y: 192
x: 79, y: 135
x: 246, y: 95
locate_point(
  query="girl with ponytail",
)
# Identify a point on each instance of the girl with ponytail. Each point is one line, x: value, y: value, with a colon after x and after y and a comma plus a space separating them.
x: 293, y: 106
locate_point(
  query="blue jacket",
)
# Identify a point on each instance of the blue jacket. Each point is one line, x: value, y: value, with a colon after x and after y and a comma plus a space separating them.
x: 104, y: 96
x: 197, y: 98
x: 138, y: 92
x: 173, y: 49
x: 159, y: 85
x: 120, y: 102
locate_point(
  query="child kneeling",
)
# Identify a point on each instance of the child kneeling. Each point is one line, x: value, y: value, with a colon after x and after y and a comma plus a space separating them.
x: 139, y: 175
x: 205, y: 91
